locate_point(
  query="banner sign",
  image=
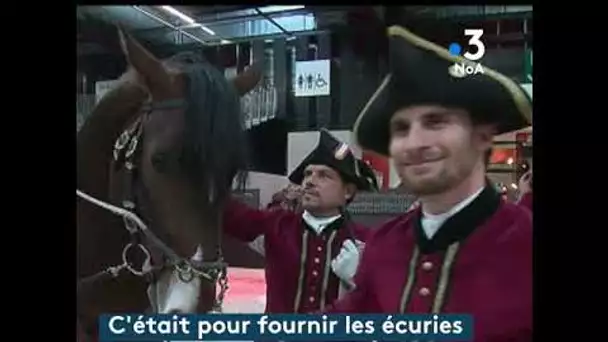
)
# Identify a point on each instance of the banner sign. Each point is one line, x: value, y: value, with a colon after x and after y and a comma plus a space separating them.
x: 240, y: 327
x: 312, y: 78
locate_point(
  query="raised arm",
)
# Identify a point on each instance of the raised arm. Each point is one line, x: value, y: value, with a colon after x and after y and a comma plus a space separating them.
x: 246, y: 224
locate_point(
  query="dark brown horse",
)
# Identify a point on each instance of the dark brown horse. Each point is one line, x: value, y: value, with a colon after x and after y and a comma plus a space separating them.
x: 165, y: 144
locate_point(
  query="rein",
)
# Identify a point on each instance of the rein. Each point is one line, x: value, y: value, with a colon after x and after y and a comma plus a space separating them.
x: 187, y: 270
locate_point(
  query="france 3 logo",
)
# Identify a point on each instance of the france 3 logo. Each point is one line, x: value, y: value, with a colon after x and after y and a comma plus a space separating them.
x: 469, y: 66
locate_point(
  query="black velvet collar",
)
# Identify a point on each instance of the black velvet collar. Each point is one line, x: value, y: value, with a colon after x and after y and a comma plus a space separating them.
x: 459, y: 226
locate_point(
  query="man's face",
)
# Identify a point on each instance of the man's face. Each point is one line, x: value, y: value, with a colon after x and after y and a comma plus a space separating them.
x: 435, y: 148
x: 323, y: 189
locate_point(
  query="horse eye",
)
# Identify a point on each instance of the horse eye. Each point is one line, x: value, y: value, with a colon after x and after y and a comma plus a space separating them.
x: 160, y: 162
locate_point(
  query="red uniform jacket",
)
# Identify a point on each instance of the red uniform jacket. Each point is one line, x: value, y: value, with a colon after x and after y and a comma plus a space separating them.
x: 478, y: 263
x: 299, y: 277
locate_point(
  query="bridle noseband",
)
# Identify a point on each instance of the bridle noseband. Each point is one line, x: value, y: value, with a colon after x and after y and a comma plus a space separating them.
x: 126, y: 152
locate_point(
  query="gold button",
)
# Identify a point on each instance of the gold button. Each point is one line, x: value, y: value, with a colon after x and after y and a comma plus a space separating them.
x: 427, y: 265
x: 317, y: 260
x: 315, y: 273
x: 311, y: 299
x: 424, y: 291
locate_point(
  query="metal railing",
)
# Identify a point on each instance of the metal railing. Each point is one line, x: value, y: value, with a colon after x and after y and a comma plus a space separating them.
x: 258, y: 106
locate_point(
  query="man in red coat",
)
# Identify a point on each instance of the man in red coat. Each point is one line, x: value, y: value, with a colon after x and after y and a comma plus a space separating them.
x: 464, y: 250
x: 310, y: 255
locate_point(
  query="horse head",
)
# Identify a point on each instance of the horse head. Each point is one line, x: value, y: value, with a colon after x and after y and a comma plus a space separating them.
x: 175, y: 162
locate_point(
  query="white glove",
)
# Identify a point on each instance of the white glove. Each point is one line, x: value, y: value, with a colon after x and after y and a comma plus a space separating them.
x: 258, y: 245
x: 346, y: 263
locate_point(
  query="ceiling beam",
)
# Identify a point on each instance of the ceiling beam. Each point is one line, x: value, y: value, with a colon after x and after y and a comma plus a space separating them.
x: 94, y: 36
x: 200, y: 11
x: 273, y: 22
x: 91, y: 31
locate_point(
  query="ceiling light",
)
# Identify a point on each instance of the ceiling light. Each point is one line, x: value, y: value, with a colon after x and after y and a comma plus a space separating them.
x: 178, y: 14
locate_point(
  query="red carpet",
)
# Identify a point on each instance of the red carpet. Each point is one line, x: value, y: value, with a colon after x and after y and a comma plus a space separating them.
x: 246, y: 292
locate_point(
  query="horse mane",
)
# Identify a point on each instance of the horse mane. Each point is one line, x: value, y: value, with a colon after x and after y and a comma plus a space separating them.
x: 215, y: 144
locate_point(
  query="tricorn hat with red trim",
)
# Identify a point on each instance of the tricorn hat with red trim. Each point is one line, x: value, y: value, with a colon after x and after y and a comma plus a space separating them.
x: 337, y: 155
x: 422, y: 72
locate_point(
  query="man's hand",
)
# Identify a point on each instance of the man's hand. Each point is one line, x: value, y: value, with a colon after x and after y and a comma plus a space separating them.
x: 525, y: 183
x: 293, y: 192
x: 346, y: 263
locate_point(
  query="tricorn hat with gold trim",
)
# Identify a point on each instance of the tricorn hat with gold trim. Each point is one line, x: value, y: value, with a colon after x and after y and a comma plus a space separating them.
x: 337, y: 155
x: 422, y: 72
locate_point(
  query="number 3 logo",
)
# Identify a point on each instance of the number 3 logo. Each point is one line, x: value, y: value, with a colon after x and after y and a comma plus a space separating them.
x: 475, y: 41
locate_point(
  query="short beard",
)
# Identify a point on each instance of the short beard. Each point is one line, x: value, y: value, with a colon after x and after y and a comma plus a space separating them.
x: 438, y: 185
x: 442, y: 183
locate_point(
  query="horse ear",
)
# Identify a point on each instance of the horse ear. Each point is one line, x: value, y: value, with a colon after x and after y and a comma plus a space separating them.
x: 149, y: 67
x: 248, y: 79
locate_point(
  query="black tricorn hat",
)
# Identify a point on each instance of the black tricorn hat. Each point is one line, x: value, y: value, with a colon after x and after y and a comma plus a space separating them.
x: 337, y: 155
x: 422, y: 72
